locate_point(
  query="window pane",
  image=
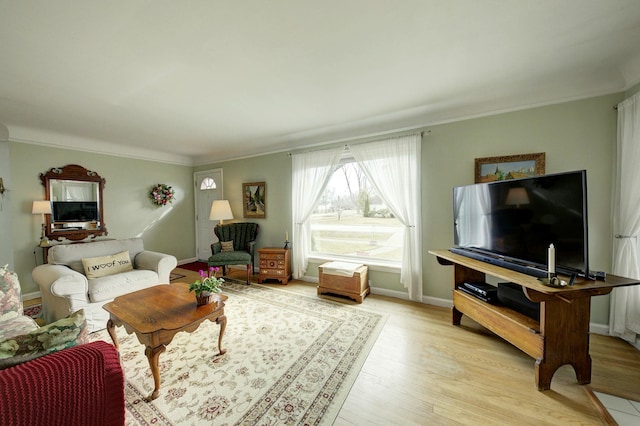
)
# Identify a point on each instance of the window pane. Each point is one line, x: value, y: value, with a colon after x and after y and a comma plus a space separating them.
x: 352, y: 220
x: 207, y: 183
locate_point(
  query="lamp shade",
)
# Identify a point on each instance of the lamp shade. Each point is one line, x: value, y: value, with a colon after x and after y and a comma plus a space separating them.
x: 41, y: 207
x: 220, y: 210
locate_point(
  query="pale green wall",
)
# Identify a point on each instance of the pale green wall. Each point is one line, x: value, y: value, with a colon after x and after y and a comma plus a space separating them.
x: 6, y: 228
x: 574, y: 135
x: 275, y: 171
x: 128, y: 212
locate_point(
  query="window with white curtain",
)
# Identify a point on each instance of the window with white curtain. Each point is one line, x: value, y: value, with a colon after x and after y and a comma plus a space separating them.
x: 353, y: 222
x: 392, y: 168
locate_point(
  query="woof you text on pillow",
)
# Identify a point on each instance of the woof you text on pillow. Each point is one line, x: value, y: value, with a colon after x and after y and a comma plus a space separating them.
x: 95, y: 267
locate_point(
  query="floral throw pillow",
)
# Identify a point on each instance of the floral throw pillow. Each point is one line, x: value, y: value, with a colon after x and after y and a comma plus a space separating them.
x: 227, y: 245
x: 62, y: 334
x: 10, y: 302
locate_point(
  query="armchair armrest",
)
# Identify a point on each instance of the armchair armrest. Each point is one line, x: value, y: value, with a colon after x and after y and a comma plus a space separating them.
x: 161, y: 263
x: 251, y: 248
x: 62, y: 289
x: 60, y: 280
x: 216, y: 247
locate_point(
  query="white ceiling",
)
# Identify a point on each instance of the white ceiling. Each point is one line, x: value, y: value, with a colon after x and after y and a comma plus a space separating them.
x: 200, y: 81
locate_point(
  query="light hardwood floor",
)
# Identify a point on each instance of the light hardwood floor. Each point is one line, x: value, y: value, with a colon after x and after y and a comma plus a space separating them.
x: 424, y: 371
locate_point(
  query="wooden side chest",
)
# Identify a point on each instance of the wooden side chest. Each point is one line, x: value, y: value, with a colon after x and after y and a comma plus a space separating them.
x: 355, y: 287
x: 275, y: 263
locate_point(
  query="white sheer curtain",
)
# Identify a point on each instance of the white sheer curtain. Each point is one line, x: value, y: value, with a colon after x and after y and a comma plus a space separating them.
x: 393, y: 167
x: 624, y: 317
x: 310, y: 173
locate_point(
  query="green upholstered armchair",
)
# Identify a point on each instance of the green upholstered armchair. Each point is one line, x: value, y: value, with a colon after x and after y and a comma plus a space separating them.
x: 243, y: 235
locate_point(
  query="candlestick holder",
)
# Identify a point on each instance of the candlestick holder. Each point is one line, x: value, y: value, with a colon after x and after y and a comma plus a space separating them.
x: 553, y: 281
x: 286, y: 244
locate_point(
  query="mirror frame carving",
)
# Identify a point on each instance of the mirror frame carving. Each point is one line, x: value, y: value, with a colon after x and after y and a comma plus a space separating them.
x: 79, y: 173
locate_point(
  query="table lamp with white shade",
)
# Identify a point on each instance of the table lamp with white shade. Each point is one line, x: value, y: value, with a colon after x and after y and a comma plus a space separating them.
x: 220, y: 210
x: 42, y: 208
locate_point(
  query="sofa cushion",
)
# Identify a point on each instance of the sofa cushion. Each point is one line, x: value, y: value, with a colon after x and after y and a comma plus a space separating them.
x: 96, y: 267
x: 10, y: 299
x: 62, y: 334
x: 227, y: 245
x: 106, y: 288
x: 230, y: 258
x: 71, y: 254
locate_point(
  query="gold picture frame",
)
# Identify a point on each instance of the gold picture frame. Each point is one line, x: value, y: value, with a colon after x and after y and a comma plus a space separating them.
x: 489, y: 169
x: 254, y: 200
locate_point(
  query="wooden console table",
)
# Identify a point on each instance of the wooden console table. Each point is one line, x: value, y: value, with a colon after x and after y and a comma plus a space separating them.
x: 560, y: 337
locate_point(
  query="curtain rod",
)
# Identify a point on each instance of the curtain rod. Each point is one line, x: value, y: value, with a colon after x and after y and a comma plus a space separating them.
x: 358, y: 142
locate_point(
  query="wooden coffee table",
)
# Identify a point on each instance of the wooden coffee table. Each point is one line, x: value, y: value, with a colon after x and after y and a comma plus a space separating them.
x: 158, y: 313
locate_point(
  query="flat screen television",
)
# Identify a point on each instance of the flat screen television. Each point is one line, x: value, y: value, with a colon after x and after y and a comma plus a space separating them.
x: 75, y: 211
x: 511, y: 223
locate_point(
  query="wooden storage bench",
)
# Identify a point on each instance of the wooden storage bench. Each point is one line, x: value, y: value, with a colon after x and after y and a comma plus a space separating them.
x: 355, y: 287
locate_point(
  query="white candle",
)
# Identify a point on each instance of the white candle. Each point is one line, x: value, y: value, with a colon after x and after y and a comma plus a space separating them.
x: 286, y: 235
x: 552, y: 259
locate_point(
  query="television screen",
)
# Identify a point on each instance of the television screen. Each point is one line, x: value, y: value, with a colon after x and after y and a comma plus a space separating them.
x: 75, y: 211
x: 516, y: 220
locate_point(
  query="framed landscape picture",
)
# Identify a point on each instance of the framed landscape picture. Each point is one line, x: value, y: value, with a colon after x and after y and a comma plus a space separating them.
x: 254, y: 200
x: 489, y: 169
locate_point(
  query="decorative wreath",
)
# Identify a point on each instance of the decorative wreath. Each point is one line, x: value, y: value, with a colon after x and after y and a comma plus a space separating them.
x: 162, y: 194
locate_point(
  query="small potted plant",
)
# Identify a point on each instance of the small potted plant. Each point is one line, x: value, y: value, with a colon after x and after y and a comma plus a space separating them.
x: 207, y: 286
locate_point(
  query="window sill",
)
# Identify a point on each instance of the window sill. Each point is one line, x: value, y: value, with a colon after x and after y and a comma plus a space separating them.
x: 374, y: 265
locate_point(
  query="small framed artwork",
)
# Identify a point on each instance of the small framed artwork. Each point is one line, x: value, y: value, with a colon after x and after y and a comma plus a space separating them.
x: 489, y: 169
x: 254, y: 199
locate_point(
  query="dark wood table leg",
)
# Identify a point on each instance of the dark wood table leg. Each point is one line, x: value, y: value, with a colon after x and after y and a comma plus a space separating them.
x: 456, y: 316
x: 153, y: 355
x: 222, y: 320
x: 564, y: 324
x: 111, y: 328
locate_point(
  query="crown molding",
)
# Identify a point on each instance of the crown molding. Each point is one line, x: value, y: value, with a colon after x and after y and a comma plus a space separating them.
x: 94, y: 146
x: 415, y: 119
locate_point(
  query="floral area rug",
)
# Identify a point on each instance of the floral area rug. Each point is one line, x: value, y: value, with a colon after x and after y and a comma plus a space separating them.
x: 290, y: 360
x: 33, y: 311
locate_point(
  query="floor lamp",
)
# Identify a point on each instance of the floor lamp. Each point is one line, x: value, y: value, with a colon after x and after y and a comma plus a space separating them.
x: 42, y: 208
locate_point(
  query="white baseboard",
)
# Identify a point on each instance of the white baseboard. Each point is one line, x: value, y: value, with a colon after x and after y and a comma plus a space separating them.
x: 31, y: 296
x: 448, y: 303
x: 190, y: 260
x: 599, y: 329
x: 435, y: 301
x: 390, y: 293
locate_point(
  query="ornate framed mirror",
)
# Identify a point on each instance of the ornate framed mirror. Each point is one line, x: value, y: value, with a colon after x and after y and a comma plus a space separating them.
x: 76, y: 200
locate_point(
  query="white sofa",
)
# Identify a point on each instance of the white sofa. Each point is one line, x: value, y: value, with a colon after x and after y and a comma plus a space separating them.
x: 64, y: 287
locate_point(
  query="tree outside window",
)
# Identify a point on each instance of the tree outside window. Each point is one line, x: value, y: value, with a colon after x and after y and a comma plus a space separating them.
x: 352, y: 221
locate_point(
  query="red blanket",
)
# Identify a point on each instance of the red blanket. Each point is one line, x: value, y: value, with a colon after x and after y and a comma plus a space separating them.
x: 83, y: 385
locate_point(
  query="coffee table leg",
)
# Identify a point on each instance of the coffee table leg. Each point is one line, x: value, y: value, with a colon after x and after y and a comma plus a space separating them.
x: 222, y: 320
x: 153, y: 355
x: 111, y: 328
